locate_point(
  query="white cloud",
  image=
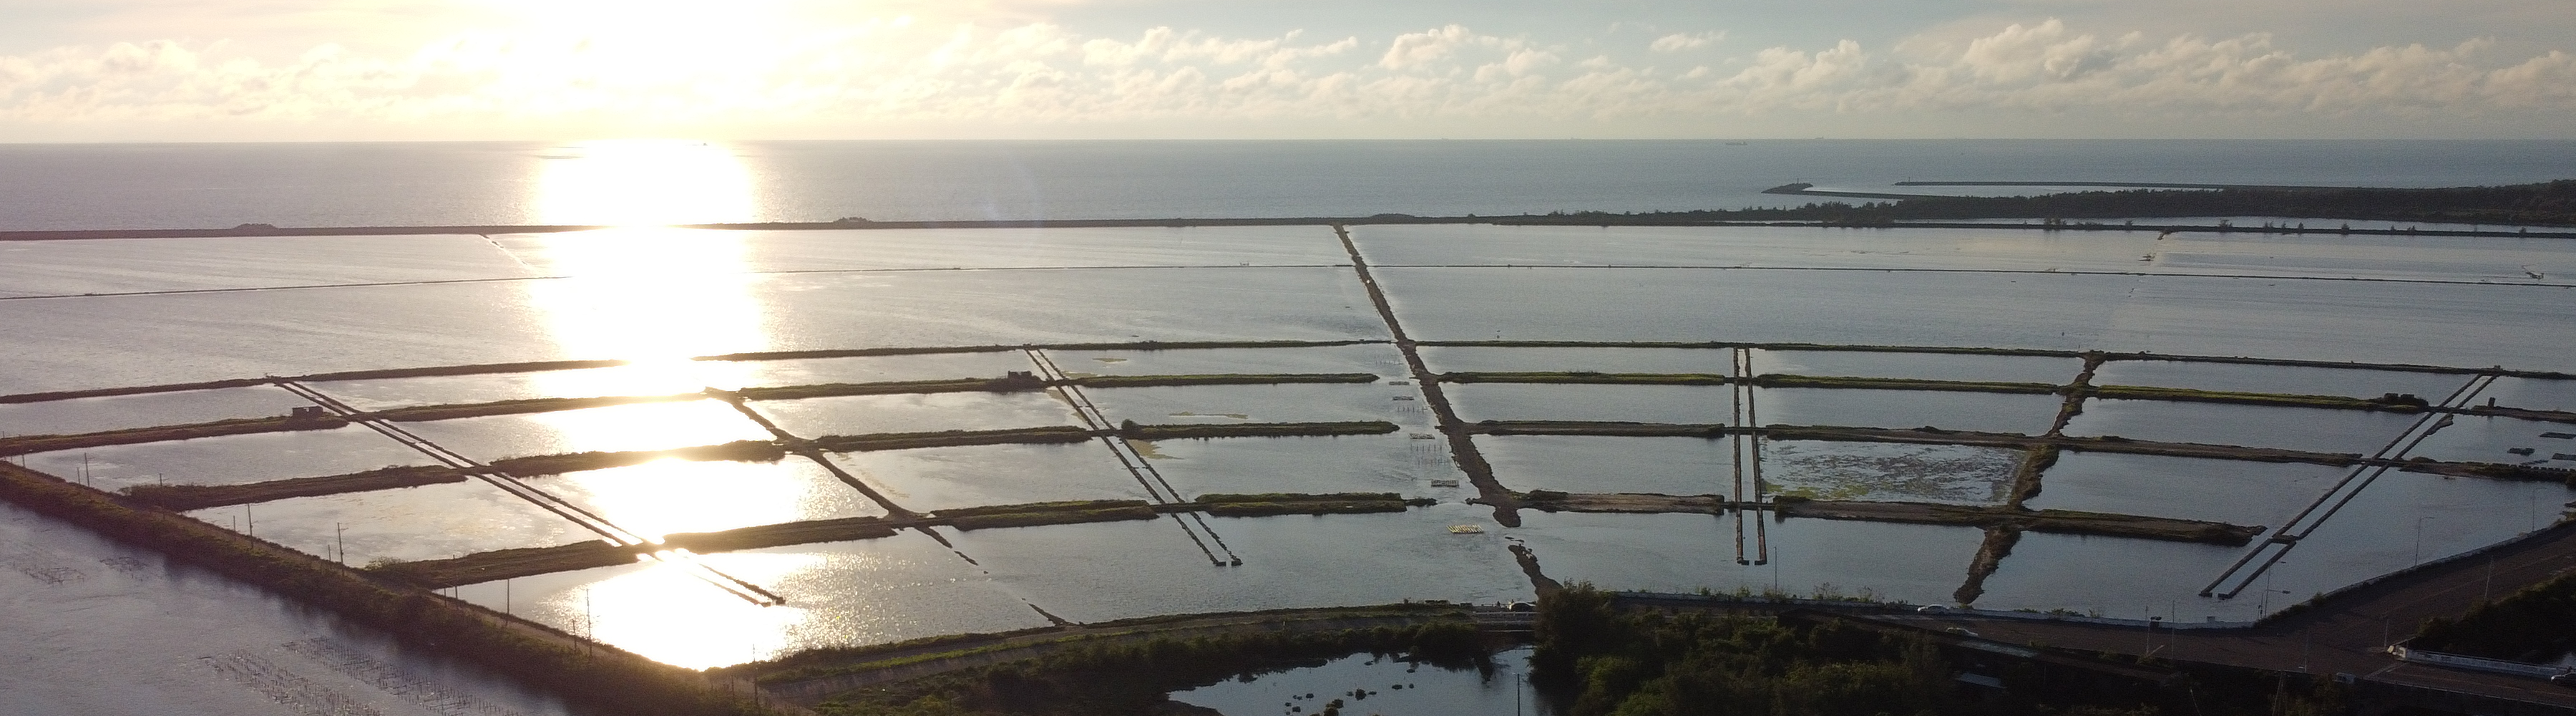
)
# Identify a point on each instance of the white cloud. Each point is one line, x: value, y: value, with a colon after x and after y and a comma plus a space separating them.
x: 895, y: 70
x: 1678, y: 42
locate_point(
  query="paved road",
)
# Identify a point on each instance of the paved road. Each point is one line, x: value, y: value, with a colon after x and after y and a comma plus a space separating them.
x: 2346, y: 634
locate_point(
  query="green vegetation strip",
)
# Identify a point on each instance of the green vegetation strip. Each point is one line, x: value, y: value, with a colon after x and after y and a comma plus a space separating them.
x: 951, y: 438
x: 1585, y: 377
x: 1044, y: 513
x: 997, y: 348
x: 837, y: 660
x: 1583, y: 427
x: 523, y: 562
x: 737, y: 451
x: 1595, y: 658
x: 193, y: 497
x: 1263, y: 505
x: 2535, y: 625
x: 1122, y: 672
x: 2547, y: 203
x: 953, y: 385
x: 1135, y: 381
x: 602, y: 677
x: 2490, y: 470
x: 129, y: 390
x: 523, y: 406
x: 1951, y: 350
x: 2056, y: 521
x: 1783, y: 380
x: 2391, y: 402
x: 1131, y: 429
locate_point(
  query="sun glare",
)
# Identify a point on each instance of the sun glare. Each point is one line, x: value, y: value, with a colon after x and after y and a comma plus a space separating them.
x: 635, y: 182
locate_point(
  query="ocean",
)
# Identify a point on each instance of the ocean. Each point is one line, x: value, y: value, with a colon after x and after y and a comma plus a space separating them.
x: 162, y: 186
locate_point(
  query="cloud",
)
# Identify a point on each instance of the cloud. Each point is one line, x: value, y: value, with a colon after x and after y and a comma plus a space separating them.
x: 1678, y: 42
x: 894, y: 70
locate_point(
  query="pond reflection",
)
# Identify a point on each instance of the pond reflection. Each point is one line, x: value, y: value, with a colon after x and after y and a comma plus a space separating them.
x: 655, y: 296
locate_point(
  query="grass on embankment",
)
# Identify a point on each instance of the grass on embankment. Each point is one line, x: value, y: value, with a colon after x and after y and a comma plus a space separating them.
x: 1121, y: 675
x: 192, y: 497
x: 603, y: 678
x: 1132, y: 430
x: 1584, y: 378
x: 834, y: 661
x: 896, y: 387
x: 1044, y: 513
x: 1339, y: 503
x: 2392, y: 402
x: 30, y: 444
x: 182, y: 498
x: 2056, y: 521
x: 522, y: 406
x: 2535, y: 625
x: 522, y: 562
x: 952, y: 438
x: 737, y: 451
x: 1139, y: 381
x: 996, y: 348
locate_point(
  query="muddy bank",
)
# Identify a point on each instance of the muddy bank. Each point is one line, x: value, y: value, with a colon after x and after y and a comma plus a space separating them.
x: 1043, y: 513
x: 1135, y: 431
x: 1341, y: 503
x: 1585, y: 378
x: 997, y: 348
x: 1914, y: 436
x: 2057, y: 521
x: 1587, y: 427
x: 1858, y: 348
x: 182, y: 498
x: 523, y: 406
x: 737, y: 451
x: 30, y: 444
x: 530, y: 561
x: 1783, y: 380
x: 1998, y: 544
x: 952, y: 438
x: 191, y: 497
x: 1139, y: 381
x: 1462, y: 448
x: 2391, y: 403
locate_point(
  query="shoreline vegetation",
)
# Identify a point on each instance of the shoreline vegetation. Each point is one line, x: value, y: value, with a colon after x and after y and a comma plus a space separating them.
x: 578, y: 670
x: 1132, y: 670
x: 2550, y: 203
x: 2531, y: 625
x: 1595, y: 656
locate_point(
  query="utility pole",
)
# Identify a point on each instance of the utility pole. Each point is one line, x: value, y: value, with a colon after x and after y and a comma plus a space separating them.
x: 2419, y: 538
x: 2489, y: 591
x: 340, y: 532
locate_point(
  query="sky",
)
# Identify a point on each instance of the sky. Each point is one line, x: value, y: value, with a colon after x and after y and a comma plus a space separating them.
x: 288, y: 70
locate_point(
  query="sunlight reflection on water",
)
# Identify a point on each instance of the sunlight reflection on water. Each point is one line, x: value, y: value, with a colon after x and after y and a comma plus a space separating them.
x: 656, y: 296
